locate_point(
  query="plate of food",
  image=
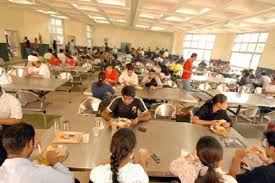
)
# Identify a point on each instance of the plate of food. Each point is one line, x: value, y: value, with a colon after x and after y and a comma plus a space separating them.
x: 61, y: 151
x: 124, y: 123
x: 220, y: 130
x: 250, y: 162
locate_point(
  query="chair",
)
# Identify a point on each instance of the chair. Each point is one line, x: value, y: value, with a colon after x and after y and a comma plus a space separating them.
x: 222, y: 88
x: 269, y: 116
x: 250, y: 112
x: 77, y: 79
x: 244, y: 89
x: 67, y: 86
x: 89, y: 106
x: 169, y: 84
x: 31, y: 101
x: 55, y: 73
x: 204, y: 87
x: 165, y: 111
x: 19, y: 72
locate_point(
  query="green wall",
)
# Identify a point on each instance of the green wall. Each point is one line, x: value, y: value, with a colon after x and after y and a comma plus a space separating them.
x: 4, y: 51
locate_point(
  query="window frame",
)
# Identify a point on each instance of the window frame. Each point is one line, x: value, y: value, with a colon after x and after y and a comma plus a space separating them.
x: 53, y: 27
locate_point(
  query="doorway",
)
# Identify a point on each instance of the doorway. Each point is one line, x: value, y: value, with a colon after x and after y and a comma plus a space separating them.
x: 13, y: 44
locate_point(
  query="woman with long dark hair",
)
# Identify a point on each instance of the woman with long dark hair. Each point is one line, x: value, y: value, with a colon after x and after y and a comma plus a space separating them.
x: 203, y: 165
x: 120, y: 169
x: 101, y: 89
x: 213, y: 112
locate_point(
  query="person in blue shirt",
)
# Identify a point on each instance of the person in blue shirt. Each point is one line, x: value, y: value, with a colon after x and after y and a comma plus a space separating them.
x: 102, y: 90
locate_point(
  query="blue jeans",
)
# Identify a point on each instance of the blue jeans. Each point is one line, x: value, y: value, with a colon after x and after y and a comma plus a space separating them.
x: 186, y: 84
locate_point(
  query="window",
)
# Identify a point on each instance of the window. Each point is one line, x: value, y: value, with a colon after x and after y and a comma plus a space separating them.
x: 89, y: 36
x: 247, y: 49
x: 56, y: 30
x: 202, y: 44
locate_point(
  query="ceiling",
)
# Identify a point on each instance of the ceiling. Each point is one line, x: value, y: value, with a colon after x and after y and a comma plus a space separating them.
x: 202, y: 16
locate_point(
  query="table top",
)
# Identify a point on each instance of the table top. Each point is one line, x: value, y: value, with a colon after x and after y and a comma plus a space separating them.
x: 247, y: 99
x: 212, y: 79
x: 164, y: 138
x: 70, y: 69
x: 24, y: 83
x: 169, y: 94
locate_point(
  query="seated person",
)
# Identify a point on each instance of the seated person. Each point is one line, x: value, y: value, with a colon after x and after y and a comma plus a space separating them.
x: 226, y: 68
x: 48, y: 55
x: 128, y: 77
x: 252, y: 74
x: 36, y: 69
x: 151, y: 81
x: 70, y: 61
x: 119, y: 168
x: 55, y: 61
x: 203, y: 165
x: 245, y: 80
x: 102, y: 90
x: 18, y: 140
x: 262, y: 174
x: 111, y: 75
x: 264, y: 80
x: 127, y: 106
x: 202, y: 65
x: 10, y: 113
x: 61, y: 56
x: 213, y: 112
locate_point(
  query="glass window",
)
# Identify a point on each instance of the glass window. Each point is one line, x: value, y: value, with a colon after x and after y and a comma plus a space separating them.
x: 202, y: 44
x: 89, y: 36
x: 56, y: 30
x: 247, y: 49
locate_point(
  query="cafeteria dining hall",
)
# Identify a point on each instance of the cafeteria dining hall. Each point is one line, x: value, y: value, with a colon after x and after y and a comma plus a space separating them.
x: 137, y: 91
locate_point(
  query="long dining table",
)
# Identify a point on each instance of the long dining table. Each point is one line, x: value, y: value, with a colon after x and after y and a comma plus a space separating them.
x: 210, y: 79
x: 166, y: 139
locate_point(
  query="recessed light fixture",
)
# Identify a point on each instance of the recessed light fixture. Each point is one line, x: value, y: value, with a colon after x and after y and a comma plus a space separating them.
x: 119, y: 20
x: 21, y: 1
x: 85, y: 8
x: 204, y: 10
x: 97, y: 17
x: 47, y: 12
x: 113, y: 2
x: 60, y: 16
x: 142, y: 26
x: 174, y: 18
x: 157, y: 28
x: 145, y: 15
x: 101, y: 21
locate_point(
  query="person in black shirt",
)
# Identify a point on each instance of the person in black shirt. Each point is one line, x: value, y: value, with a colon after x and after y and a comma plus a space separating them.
x: 213, y: 111
x: 151, y: 81
x: 261, y: 174
x: 127, y: 106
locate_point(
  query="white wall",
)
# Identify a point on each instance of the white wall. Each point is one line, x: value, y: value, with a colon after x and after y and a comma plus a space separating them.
x: 268, y: 56
x: 141, y: 38
x: 222, y: 47
x: 178, y: 38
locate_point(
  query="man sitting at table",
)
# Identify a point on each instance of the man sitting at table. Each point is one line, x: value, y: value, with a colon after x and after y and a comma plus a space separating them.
x: 127, y: 106
x: 213, y: 112
x: 18, y: 140
x: 261, y: 174
x: 151, y: 81
x: 37, y: 69
x: 111, y: 75
x: 48, y: 55
x: 10, y: 113
x: 128, y: 77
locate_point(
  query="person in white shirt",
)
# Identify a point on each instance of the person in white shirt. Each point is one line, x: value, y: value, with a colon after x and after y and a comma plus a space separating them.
x: 10, y: 113
x: 36, y: 69
x: 119, y: 168
x: 264, y: 80
x: 151, y: 81
x: 48, y: 55
x: 128, y: 77
x: 166, y: 54
x: 115, y: 50
x: 61, y: 56
x: 18, y: 140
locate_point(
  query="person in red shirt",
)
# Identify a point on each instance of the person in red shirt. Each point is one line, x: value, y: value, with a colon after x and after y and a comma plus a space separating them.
x: 111, y: 75
x: 187, y: 72
x: 70, y: 61
x: 55, y: 61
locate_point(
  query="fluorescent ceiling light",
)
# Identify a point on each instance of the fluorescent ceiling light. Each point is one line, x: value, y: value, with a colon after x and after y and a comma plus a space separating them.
x: 174, y: 18
x: 113, y: 2
x: 60, y: 16
x: 97, y: 17
x: 21, y: 1
x: 255, y: 20
x: 204, y: 10
x: 119, y: 20
x: 101, y: 21
x: 142, y: 26
x: 187, y: 11
x: 85, y: 8
x: 157, y: 28
x: 145, y: 15
x: 46, y: 12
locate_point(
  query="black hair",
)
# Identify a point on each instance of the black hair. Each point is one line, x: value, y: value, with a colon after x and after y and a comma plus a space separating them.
x: 219, y: 98
x: 50, y: 50
x: 264, y: 73
x: 270, y: 136
x: 130, y: 66
x: 210, y: 153
x: 61, y: 50
x: 122, y: 144
x: 152, y: 70
x: 246, y: 73
x: 54, y: 54
x: 128, y: 91
x: 101, y: 78
x: 194, y: 55
x: 15, y: 137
